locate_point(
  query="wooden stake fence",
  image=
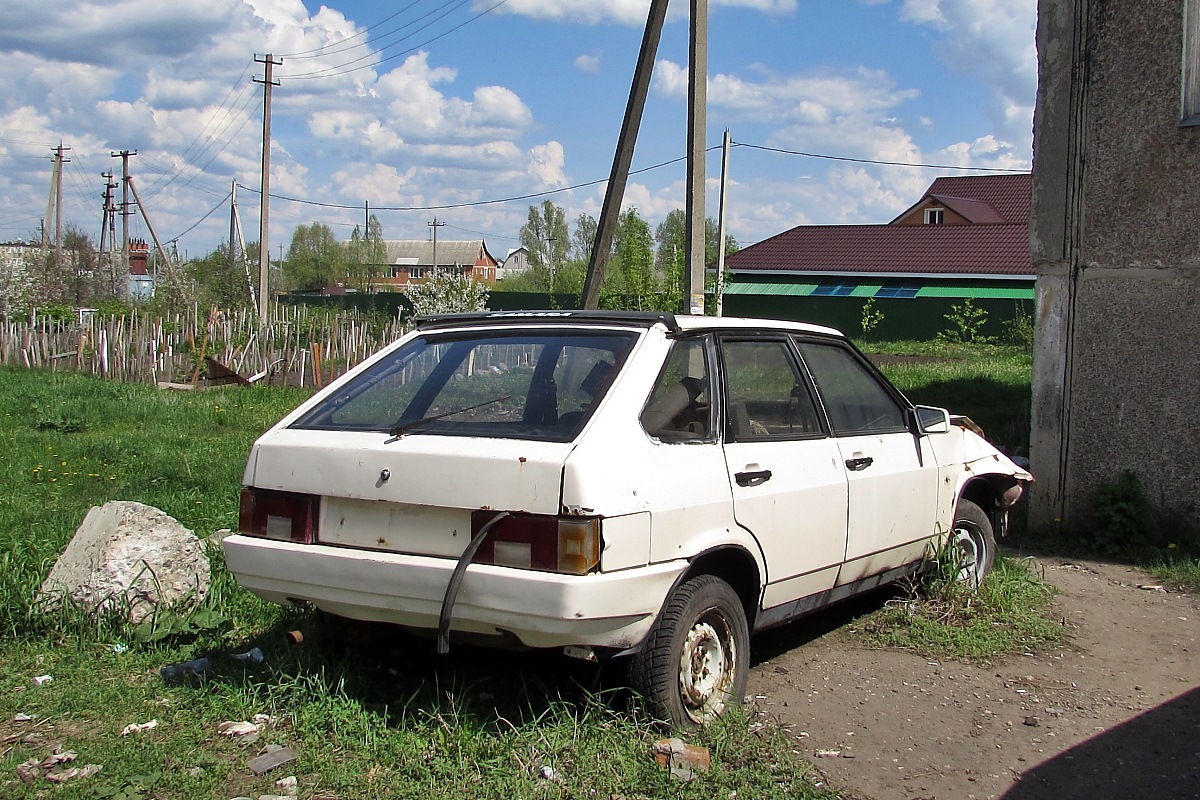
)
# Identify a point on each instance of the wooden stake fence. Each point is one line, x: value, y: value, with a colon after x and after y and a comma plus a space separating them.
x: 146, y: 349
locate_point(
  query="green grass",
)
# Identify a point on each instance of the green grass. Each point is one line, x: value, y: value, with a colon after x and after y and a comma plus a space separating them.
x: 1007, y: 615
x: 1181, y: 572
x: 988, y: 383
x: 384, y: 719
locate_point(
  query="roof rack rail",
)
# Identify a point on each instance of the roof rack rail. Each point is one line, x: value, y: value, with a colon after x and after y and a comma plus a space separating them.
x: 643, y: 319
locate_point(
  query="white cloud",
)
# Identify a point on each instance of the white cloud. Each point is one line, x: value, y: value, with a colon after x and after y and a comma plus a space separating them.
x: 818, y: 98
x: 993, y: 39
x: 588, y: 62
x: 627, y: 12
x: 546, y: 162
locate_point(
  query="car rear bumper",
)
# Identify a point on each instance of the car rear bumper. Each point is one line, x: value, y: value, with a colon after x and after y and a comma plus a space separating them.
x: 540, y: 609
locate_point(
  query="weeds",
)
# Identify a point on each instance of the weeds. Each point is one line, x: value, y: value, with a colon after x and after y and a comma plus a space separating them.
x: 942, y: 616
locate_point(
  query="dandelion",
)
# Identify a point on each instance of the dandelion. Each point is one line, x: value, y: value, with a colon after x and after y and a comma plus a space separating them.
x: 1171, y: 546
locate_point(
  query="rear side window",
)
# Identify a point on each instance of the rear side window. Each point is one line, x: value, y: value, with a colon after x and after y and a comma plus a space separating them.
x: 538, y: 385
x: 680, y: 407
x: 855, y: 400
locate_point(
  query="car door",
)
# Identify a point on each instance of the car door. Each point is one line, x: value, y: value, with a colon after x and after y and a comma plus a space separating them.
x: 891, y: 472
x: 785, y: 470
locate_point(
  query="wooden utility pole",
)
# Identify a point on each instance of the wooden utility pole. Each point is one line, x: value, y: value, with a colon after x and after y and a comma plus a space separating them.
x: 56, y: 190
x: 264, y: 259
x: 435, y: 225
x: 619, y: 176
x: 719, y: 286
x: 697, y: 121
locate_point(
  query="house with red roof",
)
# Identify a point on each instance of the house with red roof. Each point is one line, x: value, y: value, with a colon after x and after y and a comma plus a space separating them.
x: 966, y: 237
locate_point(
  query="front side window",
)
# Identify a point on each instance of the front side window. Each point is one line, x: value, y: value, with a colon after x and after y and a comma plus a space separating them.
x: 935, y: 216
x: 856, y: 402
x: 538, y: 385
x: 767, y: 396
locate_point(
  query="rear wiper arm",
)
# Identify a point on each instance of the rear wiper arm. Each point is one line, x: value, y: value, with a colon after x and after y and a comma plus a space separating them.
x: 401, y: 428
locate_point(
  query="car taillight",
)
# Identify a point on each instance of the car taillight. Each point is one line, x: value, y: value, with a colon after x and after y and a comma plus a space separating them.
x: 569, y: 545
x: 285, y: 516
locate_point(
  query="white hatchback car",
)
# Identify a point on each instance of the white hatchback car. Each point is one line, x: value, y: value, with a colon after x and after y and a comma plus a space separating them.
x: 612, y: 484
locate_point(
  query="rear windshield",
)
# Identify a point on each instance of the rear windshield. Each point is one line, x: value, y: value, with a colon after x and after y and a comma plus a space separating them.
x: 532, y: 385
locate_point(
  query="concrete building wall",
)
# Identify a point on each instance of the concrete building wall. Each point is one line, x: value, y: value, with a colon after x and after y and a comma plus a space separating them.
x: 1115, y: 236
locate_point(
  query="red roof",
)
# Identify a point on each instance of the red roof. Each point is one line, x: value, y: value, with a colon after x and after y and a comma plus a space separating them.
x: 1009, y: 195
x: 892, y: 249
x: 976, y: 212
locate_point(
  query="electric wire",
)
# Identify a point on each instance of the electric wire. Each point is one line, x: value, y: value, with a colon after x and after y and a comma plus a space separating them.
x: 196, y: 224
x: 873, y: 160
x: 324, y: 50
x: 474, y: 203
x: 328, y: 73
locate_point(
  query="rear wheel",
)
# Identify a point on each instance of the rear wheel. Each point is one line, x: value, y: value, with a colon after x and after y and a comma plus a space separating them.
x: 974, y: 543
x: 695, y: 664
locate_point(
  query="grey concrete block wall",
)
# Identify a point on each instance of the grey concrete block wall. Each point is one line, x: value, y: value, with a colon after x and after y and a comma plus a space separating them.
x: 1116, y: 239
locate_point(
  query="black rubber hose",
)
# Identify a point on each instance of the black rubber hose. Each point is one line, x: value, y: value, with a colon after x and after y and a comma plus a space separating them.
x: 456, y: 579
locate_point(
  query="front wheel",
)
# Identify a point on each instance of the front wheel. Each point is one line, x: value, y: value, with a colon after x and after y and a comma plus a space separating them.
x: 973, y: 542
x: 695, y: 663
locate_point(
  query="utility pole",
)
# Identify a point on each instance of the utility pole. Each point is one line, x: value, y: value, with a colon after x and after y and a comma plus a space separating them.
x: 697, y: 121
x: 619, y: 176
x: 56, y: 200
x: 264, y: 258
x: 435, y: 225
x: 125, y: 212
x: 719, y: 286
x: 108, y: 230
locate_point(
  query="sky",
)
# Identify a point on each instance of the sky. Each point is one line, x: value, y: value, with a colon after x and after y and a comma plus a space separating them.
x: 470, y: 111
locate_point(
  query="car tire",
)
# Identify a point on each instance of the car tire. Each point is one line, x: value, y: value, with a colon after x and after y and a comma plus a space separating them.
x: 974, y: 543
x: 695, y: 663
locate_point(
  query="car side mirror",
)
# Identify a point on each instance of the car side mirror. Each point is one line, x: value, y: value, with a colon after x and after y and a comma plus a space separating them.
x: 931, y: 419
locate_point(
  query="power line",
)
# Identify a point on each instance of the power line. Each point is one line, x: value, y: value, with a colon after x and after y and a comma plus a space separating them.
x: 328, y: 73
x: 476, y: 202
x: 323, y: 51
x: 549, y: 192
x: 872, y: 160
x: 196, y: 224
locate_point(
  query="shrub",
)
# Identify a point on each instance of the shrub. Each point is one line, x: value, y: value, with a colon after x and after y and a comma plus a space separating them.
x: 965, y: 324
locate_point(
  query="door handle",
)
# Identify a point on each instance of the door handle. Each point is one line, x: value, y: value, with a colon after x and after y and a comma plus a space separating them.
x: 752, y: 478
x: 859, y: 464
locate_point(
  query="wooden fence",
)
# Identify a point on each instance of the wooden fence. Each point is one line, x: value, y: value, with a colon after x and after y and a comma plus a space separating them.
x: 298, y: 346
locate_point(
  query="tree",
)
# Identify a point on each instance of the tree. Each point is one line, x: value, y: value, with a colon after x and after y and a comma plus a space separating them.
x: 221, y: 279
x: 670, y: 258
x: 584, y: 237
x: 315, y: 258
x: 635, y: 256
x: 446, y: 293
x: 548, y: 241
x: 365, y: 255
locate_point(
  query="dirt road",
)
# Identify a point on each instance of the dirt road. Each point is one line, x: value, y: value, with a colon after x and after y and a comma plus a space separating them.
x: 1113, y: 712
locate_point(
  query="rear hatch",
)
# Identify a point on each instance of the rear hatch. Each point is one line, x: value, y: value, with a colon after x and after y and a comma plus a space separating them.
x: 413, y: 494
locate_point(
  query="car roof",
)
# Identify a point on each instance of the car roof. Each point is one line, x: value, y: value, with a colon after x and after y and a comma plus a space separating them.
x: 641, y: 319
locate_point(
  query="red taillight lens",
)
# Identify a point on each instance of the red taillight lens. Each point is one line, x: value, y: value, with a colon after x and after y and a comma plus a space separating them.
x: 570, y: 545
x: 285, y: 516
